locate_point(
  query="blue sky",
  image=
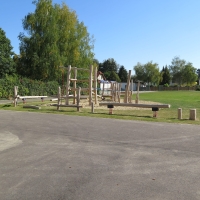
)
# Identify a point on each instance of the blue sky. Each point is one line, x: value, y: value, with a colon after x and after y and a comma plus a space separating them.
x: 129, y: 31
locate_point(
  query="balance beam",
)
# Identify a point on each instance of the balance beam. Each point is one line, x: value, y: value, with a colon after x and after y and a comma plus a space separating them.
x: 31, y: 97
x: 72, y: 106
x: 135, y: 105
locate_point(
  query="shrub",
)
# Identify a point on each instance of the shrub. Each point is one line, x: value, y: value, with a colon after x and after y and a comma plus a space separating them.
x: 26, y: 87
x: 198, y: 88
x: 166, y: 85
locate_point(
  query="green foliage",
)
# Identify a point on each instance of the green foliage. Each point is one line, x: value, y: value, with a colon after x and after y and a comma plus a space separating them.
x: 198, y: 73
x: 108, y: 66
x: 55, y: 38
x: 111, y: 70
x: 198, y: 88
x: 123, y: 74
x: 176, y: 69
x: 26, y: 87
x: 112, y: 76
x: 6, y: 61
x: 165, y: 76
x: 148, y: 73
x: 183, y: 72
x: 189, y: 74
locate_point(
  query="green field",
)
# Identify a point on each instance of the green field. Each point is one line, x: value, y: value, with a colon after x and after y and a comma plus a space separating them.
x: 177, y: 99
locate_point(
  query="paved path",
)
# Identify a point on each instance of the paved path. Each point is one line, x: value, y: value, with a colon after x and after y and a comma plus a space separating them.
x: 49, y: 156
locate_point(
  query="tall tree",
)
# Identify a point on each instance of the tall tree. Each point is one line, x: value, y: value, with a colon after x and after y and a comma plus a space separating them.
x: 108, y: 65
x: 182, y: 72
x: 112, y: 76
x: 123, y: 74
x: 189, y: 74
x: 198, y: 73
x: 54, y: 38
x: 6, y: 54
x: 176, y: 69
x: 148, y: 73
x: 165, y: 76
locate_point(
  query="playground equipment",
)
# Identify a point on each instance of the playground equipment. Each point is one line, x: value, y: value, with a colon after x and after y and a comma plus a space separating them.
x: 112, y: 90
x: 77, y: 105
x: 92, y: 89
x: 24, y: 98
x: 154, y: 107
x: 128, y: 99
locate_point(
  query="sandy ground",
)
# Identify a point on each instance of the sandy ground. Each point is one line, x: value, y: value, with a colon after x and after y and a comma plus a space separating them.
x: 85, y: 104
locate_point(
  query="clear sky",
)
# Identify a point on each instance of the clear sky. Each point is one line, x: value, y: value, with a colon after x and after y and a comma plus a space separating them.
x: 129, y: 31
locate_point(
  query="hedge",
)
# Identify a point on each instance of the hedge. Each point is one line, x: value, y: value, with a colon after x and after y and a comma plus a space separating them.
x: 26, y: 87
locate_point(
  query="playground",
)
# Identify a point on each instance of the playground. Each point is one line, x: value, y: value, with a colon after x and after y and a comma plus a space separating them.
x: 104, y: 98
x: 186, y: 100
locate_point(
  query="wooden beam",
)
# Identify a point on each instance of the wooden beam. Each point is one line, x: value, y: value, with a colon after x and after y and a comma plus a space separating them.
x: 81, y: 68
x: 135, y: 105
x: 77, y: 80
x: 70, y: 105
x: 31, y: 97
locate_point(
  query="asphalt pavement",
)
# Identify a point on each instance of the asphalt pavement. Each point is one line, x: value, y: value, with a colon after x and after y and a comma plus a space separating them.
x: 58, y: 157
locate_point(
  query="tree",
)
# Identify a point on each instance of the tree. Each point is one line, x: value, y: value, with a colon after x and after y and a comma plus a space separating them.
x: 7, y: 65
x: 123, y: 74
x: 176, y: 69
x: 198, y: 73
x: 165, y: 76
x: 112, y: 76
x: 182, y: 71
x: 148, y: 73
x: 108, y: 65
x: 189, y: 74
x: 54, y: 38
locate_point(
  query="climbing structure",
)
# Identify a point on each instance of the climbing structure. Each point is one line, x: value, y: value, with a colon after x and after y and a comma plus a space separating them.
x: 92, y: 79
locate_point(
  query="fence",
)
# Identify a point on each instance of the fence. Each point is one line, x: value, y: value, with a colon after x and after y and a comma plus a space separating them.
x: 171, y: 88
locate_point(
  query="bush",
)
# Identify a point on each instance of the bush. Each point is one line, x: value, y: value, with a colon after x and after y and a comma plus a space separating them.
x: 166, y: 85
x: 198, y: 88
x: 26, y: 87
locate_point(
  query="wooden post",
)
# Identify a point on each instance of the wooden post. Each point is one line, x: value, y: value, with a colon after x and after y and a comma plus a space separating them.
x: 103, y: 89
x: 90, y: 85
x: 78, y: 98
x: 192, y: 114
x: 179, y: 113
x: 116, y: 88
x: 118, y: 91
x: 15, y: 95
x: 112, y: 91
x: 127, y: 88
x: 68, y: 85
x: 92, y: 107
x: 59, y: 98
x: 137, y: 95
x: 95, y: 85
x: 131, y: 91
x: 74, y: 84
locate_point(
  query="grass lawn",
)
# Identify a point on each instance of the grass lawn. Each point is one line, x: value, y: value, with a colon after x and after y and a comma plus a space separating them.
x: 177, y: 99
